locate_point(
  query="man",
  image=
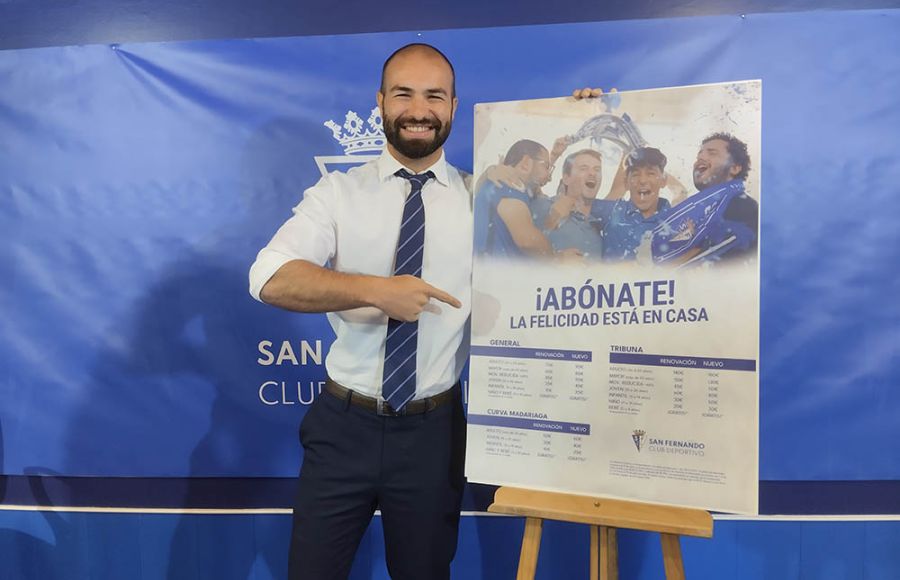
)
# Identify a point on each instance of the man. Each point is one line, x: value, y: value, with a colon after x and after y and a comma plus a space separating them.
x: 723, y: 158
x: 566, y: 218
x: 388, y: 431
x: 626, y: 222
x: 720, y: 221
x: 504, y: 217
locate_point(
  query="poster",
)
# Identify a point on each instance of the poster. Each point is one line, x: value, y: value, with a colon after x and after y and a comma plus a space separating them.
x: 615, y: 324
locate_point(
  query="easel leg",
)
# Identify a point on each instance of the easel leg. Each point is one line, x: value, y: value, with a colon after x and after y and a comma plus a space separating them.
x: 604, y: 553
x: 531, y: 545
x: 612, y: 549
x: 671, y: 549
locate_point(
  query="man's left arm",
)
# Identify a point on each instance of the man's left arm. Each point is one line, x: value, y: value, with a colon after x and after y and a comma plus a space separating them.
x: 618, y: 187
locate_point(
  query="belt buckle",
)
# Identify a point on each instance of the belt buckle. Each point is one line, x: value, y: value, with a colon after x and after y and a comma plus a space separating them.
x: 384, y: 409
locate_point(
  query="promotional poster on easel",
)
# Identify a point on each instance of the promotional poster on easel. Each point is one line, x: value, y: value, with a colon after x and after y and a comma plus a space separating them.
x: 615, y: 319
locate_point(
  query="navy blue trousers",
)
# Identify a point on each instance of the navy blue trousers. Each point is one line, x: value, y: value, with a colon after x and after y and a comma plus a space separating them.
x: 411, y: 468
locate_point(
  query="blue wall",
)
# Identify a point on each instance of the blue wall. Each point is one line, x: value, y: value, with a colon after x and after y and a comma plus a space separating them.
x: 140, y: 179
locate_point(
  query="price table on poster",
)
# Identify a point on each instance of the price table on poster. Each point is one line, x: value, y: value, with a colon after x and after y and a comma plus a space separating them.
x: 512, y: 373
x: 689, y: 385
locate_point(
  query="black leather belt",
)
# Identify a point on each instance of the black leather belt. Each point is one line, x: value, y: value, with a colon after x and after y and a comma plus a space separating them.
x: 383, y: 408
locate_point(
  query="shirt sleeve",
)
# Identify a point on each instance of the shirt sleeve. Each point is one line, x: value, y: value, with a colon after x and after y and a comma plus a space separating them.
x: 308, y: 235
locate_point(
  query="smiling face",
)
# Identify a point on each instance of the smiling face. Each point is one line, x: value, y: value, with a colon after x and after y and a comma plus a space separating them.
x: 644, y: 183
x: 582, y: 174
x: 417, y: 106
x: 714, y: 165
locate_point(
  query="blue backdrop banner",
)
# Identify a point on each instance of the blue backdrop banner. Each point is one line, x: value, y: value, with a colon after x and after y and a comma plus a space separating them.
x: 140, y: 180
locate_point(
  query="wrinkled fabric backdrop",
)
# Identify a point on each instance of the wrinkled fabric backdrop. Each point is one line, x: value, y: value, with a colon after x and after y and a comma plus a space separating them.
x: 139, y: 180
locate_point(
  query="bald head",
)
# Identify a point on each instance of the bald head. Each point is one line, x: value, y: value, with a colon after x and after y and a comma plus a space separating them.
x: 417, y: 104
x: 419, y: 49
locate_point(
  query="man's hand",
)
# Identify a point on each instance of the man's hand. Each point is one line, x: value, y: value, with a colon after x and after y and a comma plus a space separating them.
x: 559, y: 147
x: 588, y: 93
x: 559, y: 211
x: 405, y: 297
x: 570, y: 256
x: 504, y: 175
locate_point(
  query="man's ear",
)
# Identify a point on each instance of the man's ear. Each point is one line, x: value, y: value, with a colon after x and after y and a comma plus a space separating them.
x: 379, y: 100
x: 735, y: 170
x: 453, y: 109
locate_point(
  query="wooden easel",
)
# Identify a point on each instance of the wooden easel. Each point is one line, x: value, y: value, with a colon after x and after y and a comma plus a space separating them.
x: 604, y: 516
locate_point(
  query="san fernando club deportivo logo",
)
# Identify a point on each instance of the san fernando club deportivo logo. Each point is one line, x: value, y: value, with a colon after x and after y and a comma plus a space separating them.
x: 638, y: 437
x: 361, y: 141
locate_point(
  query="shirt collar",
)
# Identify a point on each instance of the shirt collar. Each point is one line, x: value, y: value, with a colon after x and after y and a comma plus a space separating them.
x: 661, y: 204
x: 388, y: 166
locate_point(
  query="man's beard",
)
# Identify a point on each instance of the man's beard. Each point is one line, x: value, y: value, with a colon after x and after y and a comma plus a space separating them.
x: 716, y: 177
x: 416, y: 148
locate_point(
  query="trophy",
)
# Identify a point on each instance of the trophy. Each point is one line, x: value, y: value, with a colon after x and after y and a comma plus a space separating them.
x: 620, y: 130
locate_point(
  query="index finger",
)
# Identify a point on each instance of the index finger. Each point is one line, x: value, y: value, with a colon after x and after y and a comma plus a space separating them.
x: 443, y: 296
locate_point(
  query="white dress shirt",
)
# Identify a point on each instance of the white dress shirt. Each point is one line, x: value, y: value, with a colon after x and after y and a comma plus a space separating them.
x: 352, y: 222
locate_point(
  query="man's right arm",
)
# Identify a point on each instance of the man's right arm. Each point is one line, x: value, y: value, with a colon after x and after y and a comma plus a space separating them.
x: 619, y: 186
x: 501, y: 176
x: 517, y: 217
x: 288, y: 272
x: 302, y: 286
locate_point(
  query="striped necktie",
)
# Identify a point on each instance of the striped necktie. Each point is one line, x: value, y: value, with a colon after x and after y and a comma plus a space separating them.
x: 399, y: 384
